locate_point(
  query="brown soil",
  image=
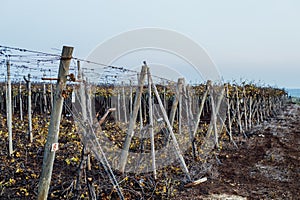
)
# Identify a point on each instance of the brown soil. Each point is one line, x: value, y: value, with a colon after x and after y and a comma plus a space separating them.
x: 266, y: 165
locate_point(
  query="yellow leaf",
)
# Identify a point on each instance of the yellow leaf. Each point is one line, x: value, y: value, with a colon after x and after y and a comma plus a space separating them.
x: 164, y: 189
x: 34, y: 175
x: 18, y: 154
x: 68, y: 161
x: 74, y: 159
x: 12, y: 181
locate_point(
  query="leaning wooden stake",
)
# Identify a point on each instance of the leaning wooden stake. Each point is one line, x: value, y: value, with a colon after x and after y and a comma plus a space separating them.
x: 52, y: 139
x: 215, y: 109
x: 214, y: 116
x: 174, y: 140
x: 194, y: 148
x: 151, y: 125
x: 241, y: 130
x: 132, y: 121
x: 9, y: 110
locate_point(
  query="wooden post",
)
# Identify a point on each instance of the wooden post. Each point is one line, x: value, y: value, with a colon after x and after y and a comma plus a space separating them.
x: 132, y: 121
x: 238, y: 111
x: 141, y: 110
x: 174, y: 140
x: 130, y: 100
x: 89, y: 118
x: 51, y: 95
x: 164, y: 93
x: 214, y: 115
x: 175, y: 102
x: 9, y: 111
x: 180, y: 93
x: 28, y: 81
x: 198, y: 120
x: 124, y: 103
x: 88, y: 89
x: 82, y: 94
x: 119, y: 105
x: 151, y: 125
x: 45, y: 98
x: 189, y: 113
x: 53, y: 132
x: 228, y: 113
x: 250, y: 112
x: 21, y: 102
x: 245, y: 101
x: 215, y: 110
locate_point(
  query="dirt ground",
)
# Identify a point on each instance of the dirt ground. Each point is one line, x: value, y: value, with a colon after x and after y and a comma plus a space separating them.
x: 266, y: 165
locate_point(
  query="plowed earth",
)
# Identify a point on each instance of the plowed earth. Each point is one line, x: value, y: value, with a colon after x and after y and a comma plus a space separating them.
x: 266, y: 165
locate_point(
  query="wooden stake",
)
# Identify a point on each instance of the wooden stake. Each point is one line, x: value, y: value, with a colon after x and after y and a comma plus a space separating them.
x: 151, y: 125
x: 228, y: 113
x: 29, y: 110
x: 215, y: 110
x: 174, y: 140
x: 250, y: 112
x: 198, y: 121
x: 130, y: 98
x: 45, y: 98
x: 53, y: 132
x: 88, y: 108
x: 9, y: 111
x: 21, y: 102
x: 180, y: 92
x: 245, y: 101
x: 132, y: 121
x: 238, y: 111
x: 175, y: 102
x: 214, y: 116
x: 124, y: 103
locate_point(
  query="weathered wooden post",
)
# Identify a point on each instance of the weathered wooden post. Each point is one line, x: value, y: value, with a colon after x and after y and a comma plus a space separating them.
x: 175, y: 101
x: 215, y: 111
x: 130, y: 98
x: 151, y: 125
x: 141, y: 110
x: 9, y: 111
x: 21, y: 102
x: 124, y: 102
x: 89, y: 117
x: 28, y: 81
x: 214, y: 115
x: 44, y: 98
x: 119, y: 104
x: 51, y: 145
x: 241, y: 130
x: 180, y: 94
x: 250, y: 112
x: 51, y: 95
x: 198, y: 120
x: 174, y: 140
x: 132, y: 121
x: 228, y: 113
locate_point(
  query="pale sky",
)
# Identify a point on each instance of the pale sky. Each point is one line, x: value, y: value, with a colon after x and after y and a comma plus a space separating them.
x: 256, y: 40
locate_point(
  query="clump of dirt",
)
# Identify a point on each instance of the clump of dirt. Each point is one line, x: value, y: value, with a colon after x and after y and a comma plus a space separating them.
x: 266, y: 165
